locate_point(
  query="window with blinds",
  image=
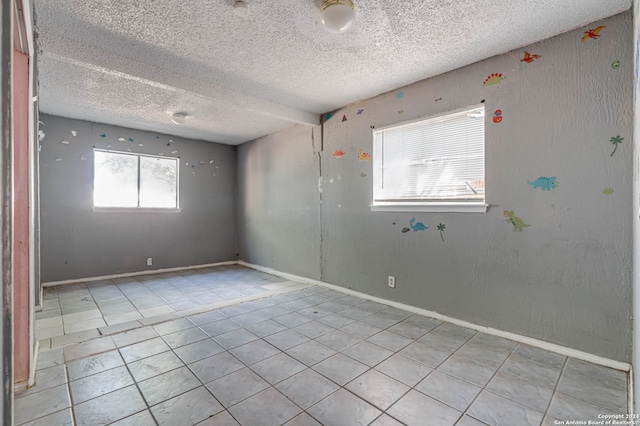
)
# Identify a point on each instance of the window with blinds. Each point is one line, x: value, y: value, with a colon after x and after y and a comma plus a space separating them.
x: 437, y: 160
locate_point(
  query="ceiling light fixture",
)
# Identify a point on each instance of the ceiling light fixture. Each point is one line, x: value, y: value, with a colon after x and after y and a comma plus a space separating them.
x: 241, y: 9
x: 179, y: 117
x: 337, y: 15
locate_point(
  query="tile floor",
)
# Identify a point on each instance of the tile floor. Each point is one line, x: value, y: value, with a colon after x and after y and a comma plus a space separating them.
x: 230, y: 345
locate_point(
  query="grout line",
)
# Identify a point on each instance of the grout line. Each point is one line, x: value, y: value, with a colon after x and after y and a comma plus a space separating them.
x: 135, y: 382
x: 555, y: 388
x: 68, y: 383
x: 489, y: 381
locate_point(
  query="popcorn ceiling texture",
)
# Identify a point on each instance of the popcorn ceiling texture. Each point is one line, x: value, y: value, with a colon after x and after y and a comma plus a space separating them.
x: 133, y: 63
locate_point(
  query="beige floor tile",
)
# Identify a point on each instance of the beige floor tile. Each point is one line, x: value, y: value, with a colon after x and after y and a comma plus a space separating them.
x: 120, y: 327
x: 48, y: 322
x: 158, y: 318
x: 134, y: 336
x: 158, y: 310
x: 83, y: 325
x: 46, y: 333
x: 81, y: 316
x: 40, y: 404
x: 92, y: 347
x: 122, y: 318
x: 44, y: 344
x: 81, y: 336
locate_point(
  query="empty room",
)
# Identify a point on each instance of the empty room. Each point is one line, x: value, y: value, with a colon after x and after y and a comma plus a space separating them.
x: 319, y: 212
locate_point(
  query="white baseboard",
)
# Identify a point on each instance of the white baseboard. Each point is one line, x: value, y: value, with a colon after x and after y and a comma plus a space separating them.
x: 32, y: 373
x: 133, y: 274
x: 552, y: 347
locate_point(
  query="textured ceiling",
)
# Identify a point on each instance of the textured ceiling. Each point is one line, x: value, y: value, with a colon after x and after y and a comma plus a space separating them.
x: 134, y: 62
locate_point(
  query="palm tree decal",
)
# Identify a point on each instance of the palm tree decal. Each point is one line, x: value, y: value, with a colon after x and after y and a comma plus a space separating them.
x: 441, y: 228
x: 615, y: 141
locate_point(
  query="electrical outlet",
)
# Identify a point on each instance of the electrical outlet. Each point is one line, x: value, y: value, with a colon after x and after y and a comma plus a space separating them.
x: 392, y: 281
x: 149, y: 261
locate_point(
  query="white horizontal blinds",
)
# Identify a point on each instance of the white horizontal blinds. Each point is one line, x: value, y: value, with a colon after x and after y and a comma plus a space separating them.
x: 437, y: 159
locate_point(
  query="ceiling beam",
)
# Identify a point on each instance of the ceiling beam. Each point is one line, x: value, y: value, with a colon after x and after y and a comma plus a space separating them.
x: 108, y: 63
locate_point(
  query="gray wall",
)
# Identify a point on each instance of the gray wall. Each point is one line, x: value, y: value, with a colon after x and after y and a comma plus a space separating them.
x: 566, y: 279
x: 80, y: 243
x: 279, y: 207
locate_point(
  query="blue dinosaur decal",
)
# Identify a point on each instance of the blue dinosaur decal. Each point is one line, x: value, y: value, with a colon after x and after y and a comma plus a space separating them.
x: 545, y: 183
x: 417, y: 226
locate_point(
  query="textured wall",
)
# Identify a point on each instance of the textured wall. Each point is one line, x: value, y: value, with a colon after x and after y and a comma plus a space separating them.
x: 636, y: 206
x: 565, y: 279
x: 80, y: 243
x: 278, y: 202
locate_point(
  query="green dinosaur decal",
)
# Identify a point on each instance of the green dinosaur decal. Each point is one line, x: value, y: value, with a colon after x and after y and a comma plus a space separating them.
x: 545, y: 183
x: 517, y: 223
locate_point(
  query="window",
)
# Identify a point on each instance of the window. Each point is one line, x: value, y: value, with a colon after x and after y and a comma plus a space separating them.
x: 436, y: 164
x: 134, y: 181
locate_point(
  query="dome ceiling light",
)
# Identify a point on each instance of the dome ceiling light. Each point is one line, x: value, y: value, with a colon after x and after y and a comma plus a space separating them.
x: 179, y: 117
x: 241, y: 9
x: 337, y: 15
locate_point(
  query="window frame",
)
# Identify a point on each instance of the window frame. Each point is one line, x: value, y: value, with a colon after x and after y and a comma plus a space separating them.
x: 105, y: 209
x: 436, y: 206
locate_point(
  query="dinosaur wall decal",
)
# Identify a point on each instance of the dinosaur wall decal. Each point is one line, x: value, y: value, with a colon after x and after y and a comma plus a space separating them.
x: 594, y: 34
x: 528, y: 57
x: 363, y: 156
x: 493, y: 79
x: 545, y: 183
x: 419, y: 226
x: 517, y: 223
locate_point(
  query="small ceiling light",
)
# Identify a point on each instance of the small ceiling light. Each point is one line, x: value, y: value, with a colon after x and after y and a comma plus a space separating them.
x: 241, y: 9
x: 337, y: 15
x: 179, y: 117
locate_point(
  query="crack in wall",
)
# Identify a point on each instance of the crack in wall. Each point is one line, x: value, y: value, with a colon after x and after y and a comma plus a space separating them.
x: 320, y: 184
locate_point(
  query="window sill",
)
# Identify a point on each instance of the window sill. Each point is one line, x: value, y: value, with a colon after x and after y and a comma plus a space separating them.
x: 450, y: 207
x: 134, y: 210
